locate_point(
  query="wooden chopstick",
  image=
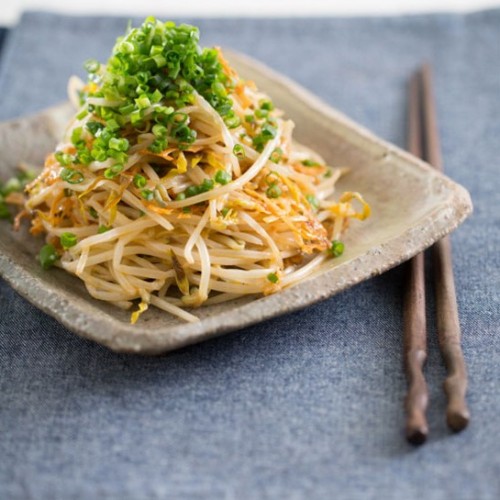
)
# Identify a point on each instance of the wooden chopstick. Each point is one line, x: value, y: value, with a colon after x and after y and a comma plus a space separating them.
x: 423, y: 130
x: 415, y: 330
x: 455, y: 385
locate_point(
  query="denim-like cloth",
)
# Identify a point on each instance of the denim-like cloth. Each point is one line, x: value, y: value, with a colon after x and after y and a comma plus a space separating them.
x: 308, y: 405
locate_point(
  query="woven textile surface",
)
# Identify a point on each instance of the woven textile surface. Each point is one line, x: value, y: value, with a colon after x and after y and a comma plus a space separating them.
x: 308, y: 405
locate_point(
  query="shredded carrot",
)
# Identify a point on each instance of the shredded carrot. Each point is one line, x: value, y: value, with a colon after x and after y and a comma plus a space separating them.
x: 240, y: 92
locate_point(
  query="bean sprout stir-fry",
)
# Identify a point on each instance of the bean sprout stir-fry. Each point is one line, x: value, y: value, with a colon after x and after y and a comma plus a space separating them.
x: 177, y: 183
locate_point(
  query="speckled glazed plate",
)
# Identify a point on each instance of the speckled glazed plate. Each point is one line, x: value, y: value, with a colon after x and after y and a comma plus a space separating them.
x: 412, y: 207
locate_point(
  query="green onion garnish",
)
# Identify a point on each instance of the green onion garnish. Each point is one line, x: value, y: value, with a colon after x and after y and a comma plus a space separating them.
x: 159, y: 130
x: 261, y: 113
x: 64, y: 159
x: 118, y: 144
x: 273, y: 278
x: 102, y: 229
x: 147, y: 194
x: 94, y: 127
x: 191, y: 191
x: 276, y: 155
x: 337, y: 248
x: 112, y: 172
x: 313, y: 201
x: 267, y: 105
x: 158, y: 145
x: 232, y: 121
x: 68, y: 240
x: 206, y: 185
x: 273, y: 191
x: 139, y: 181
x: 179, y: 118
x: 91, y: 66
x: 310, y: 163
x: 154, y: 69
x: 222, y: 177
x: 71, y: 176
x: 76, y: 135
x: 48, y: 256
x: 239, y: 151
x: 267, y: 133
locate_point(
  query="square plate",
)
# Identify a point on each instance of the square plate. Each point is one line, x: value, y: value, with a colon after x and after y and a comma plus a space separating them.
x: 412, y: 206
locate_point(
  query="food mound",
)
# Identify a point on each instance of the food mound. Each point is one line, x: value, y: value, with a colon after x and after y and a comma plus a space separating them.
x: 177, y: 183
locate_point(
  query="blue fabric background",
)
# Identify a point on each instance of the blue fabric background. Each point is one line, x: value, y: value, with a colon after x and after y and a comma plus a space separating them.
x: 307, y: 405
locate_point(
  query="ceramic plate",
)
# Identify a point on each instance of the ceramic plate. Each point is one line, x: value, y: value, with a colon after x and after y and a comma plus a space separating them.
x: 412, y: 207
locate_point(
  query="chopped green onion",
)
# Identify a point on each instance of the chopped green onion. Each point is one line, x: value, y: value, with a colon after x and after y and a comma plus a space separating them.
x: 112, y: 124
x: 48, y: 256
x: 103, y: 229
x: 127, y: 47
x: 273, y: 191
x: 276, y: 155
x: 191, y: 191
x: 267, y: 105
x: 68, y: 240
x: 118, y: 144
x: 206, y: 185
x: 91, y: 66
x: 239, y: 151
x: 94, y: 127
x: 136, y: 118
x: 157, y: 67
x: 313, y: 201
x: 158, y: 145
x: 139, y: 181
x: 179, y: 118
x: 156, y: 96
x: 64, y: 159
x: 267, y: 133
x: 219, y: 89
x: 337, y: 248
x: 232, y: 121
x: 222, y: 177
x: 76, y: 135
x: 127, y: 109
x: 180, y: 197
x: 119, y: 156
x: 272, y: 178
x: 143, y: 102
x: 93, y: 212
x: 147, y: 194
x: 261, y: 113
x: 159, y: 130
x: 71, y: 176
x: 225, y: 211
x: 82, y: 114
x: 113, y: 171
x: 273, y: 278
x: 310, y: 163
